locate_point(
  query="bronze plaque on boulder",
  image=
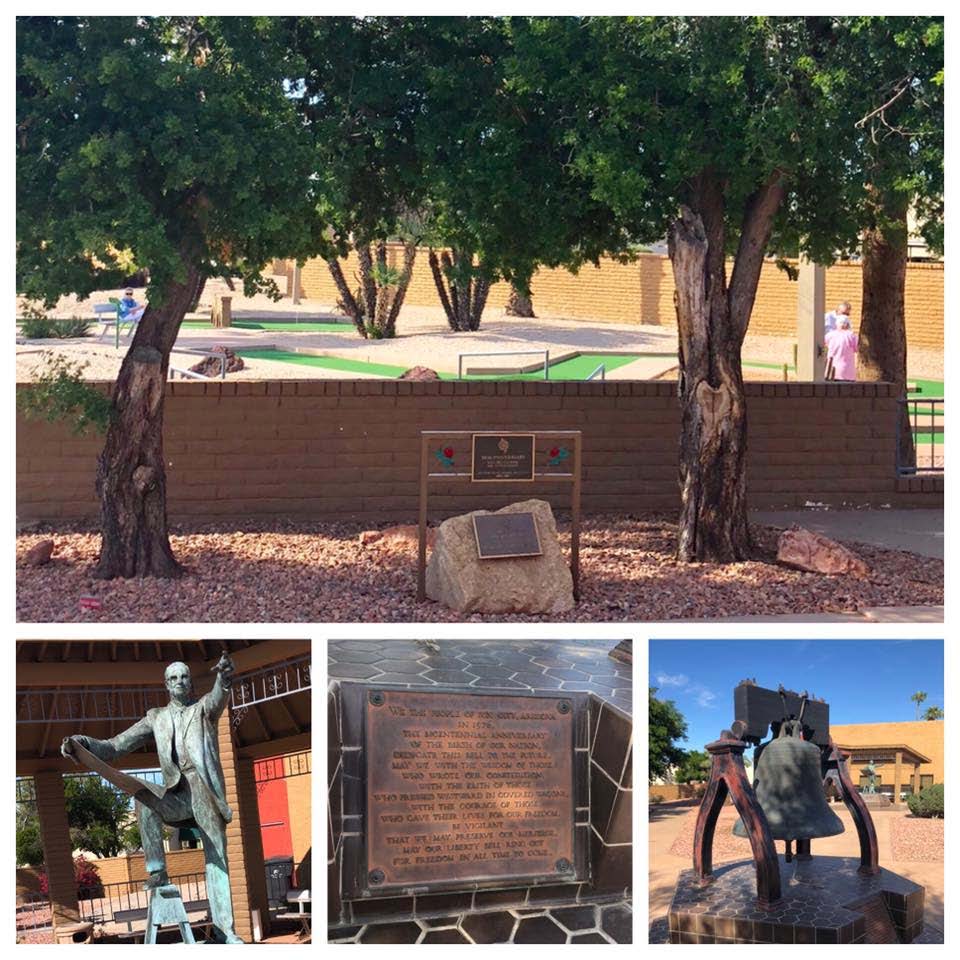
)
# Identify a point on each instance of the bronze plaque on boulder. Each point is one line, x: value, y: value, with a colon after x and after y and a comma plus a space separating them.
x: 503, y: 535
x: 467, y: 788
x: 502, y: 456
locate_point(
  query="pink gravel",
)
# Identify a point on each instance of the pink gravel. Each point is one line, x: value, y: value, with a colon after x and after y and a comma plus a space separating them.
x: 301, y: 571
x: 726, y: 845
x: 917, y: 839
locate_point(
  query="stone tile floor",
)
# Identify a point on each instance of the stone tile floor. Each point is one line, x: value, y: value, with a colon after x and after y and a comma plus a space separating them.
x: 581, y: 923
x: 538, y: 665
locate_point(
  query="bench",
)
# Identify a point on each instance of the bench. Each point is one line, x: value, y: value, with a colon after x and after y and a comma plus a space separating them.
x: 198, y: 913
x: 101, y: 310
x: 302, y: 899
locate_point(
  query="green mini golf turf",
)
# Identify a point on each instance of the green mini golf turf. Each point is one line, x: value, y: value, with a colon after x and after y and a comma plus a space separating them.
x: 329, y: 363
x: 278, y: 326
x: 576, y: 368
x: 927, y: 388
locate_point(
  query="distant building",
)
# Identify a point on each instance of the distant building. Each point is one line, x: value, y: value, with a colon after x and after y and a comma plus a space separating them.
x: 908, y: 755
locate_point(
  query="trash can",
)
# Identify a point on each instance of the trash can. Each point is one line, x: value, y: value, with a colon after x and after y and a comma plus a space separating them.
x: 279, y: 871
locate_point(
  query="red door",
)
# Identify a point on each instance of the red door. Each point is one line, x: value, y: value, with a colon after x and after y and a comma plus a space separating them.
x: 273, y: 808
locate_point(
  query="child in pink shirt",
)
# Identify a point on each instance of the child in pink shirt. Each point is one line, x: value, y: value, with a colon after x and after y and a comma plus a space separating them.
x: 841, y: 347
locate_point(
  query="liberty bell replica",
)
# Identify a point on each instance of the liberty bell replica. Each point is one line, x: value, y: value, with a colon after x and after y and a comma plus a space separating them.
x: 788, y: 781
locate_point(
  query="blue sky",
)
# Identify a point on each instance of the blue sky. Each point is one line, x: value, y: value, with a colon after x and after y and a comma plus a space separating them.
x: 864, y: 681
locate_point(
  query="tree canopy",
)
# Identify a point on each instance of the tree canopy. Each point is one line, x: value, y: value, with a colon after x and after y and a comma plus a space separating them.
x: 667, y: 725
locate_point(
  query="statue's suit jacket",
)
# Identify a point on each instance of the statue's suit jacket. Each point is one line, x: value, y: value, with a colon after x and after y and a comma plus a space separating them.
x: 199, y: 738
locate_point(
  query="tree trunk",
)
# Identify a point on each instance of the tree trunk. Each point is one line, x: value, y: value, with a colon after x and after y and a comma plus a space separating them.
x: 711, y: 324
x: 348, y: 303
x: 406, y: 274
x: 463, y: 300
x: 882, y: 347
x: 131, y: 479
x: 519, y: 304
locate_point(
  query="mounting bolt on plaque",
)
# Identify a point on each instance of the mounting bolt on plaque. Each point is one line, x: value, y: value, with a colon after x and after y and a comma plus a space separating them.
x: 376, y: 698
x: 563, y: 707
x: 376, y: 877
x: 564, y: 865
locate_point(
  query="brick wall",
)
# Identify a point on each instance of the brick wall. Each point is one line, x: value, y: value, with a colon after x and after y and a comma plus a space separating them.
x: 642, y: 292
x: 345, y: 448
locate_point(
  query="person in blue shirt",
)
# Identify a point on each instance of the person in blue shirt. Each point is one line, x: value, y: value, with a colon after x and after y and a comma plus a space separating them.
x: 127, y: 304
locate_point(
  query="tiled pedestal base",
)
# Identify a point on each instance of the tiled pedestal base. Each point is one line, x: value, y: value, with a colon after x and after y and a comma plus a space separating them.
x: 578, y: 923
x: 824, y: 901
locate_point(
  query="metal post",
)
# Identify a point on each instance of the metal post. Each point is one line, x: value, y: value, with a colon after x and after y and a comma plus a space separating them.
x: 546, y: 364
x: 422, y: 525
x: 575, y: 518
x: 811, y: 306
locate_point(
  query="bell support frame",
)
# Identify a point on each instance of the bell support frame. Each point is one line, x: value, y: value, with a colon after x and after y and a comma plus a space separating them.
x: 727, y: 774
x: 835, y: 762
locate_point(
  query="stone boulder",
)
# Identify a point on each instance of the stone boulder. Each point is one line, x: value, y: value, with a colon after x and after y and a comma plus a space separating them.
x: 816, y: 553
x: 39, y: 554
x: 210, y: 366
x: 419, y: 373
x: 459, y: 579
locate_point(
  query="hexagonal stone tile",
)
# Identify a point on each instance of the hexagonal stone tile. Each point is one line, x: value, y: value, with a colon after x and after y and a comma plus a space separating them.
x: 408, y: 932
x: 539, y: 930
x: 489, y: 927
x: 617, y: 923
x: 444, y: 936
x: 576, y: 918
x: 588, y: 938
x: 352, y: 671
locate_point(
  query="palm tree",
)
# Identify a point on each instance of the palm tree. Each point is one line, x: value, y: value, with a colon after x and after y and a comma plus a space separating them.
x: 918, y: 698
x: 933, y: 713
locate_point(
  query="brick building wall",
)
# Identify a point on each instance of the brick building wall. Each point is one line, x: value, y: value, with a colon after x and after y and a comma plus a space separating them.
x: 642, y: 292
x: 328, y: 448
x: 923, y: 735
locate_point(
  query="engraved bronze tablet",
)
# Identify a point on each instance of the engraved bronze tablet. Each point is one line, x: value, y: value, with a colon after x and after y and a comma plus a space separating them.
x: 466, y: 788
x: 502, y: 456
x: 503, y: 535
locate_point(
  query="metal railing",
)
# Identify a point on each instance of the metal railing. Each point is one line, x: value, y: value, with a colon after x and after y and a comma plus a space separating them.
x: 508, y: 353
x: 34, y: 913
x: 130, y: 895
x: 925, y: 417
x: 599, y: 374
x: 277, y: 680
x: 200, y: 352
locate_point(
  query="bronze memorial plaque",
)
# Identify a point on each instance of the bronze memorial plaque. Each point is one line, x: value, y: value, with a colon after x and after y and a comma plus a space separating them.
x: 504, y: 535
x: 502, y: 456
x: 467, y: 787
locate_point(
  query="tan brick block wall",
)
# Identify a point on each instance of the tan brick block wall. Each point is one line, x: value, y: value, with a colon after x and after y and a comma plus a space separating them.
x: 353, y: 451
x: 642, y: 292
x: 57, y: 848
x: 241, y: 868
x: 298, y: 807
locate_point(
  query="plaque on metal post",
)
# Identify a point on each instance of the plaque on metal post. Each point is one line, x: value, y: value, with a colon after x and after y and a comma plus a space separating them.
x: 468, y: 789
x: 502, y: 456
x: 503, y: 535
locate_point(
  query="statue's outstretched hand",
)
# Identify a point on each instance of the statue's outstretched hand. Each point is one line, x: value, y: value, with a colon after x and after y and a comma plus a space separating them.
x: 225, y: 668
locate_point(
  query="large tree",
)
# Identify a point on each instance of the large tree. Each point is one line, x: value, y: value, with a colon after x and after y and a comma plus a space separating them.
x: 700, y: 129
x: 896, y: 84
x: 172, y: 140
x: 502, y: 198
x: 667, y: 726
x: 359, y: 92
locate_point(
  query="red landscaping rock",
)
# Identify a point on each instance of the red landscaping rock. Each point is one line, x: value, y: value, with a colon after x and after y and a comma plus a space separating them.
x: 39, y: 554
x: 397, y: 536
x: 210, y: 366
x: 419, y: 373
x: 816, y: 553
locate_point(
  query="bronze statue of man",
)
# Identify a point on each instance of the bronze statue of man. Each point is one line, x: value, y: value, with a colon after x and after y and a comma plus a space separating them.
x: 192, y: 795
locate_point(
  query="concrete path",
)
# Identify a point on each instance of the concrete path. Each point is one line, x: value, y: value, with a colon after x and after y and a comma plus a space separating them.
x: 916, y: 531
x: 927, y: 614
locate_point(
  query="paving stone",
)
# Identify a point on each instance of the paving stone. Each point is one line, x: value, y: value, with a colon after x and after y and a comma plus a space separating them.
x: 539, y: 930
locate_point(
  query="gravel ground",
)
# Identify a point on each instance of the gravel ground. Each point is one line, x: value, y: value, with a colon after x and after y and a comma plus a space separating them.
x: 299, y: 571
x: 726, y: 845
x: 917, y: 839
